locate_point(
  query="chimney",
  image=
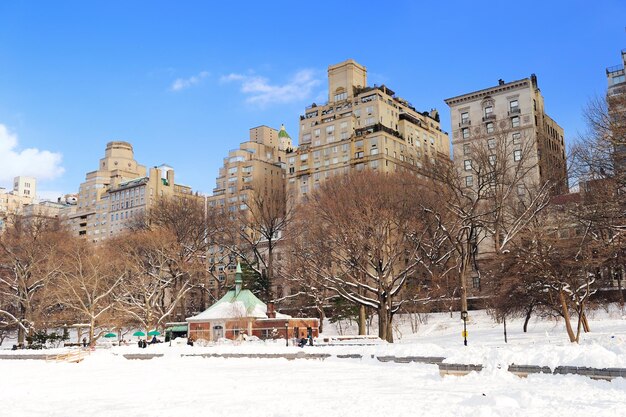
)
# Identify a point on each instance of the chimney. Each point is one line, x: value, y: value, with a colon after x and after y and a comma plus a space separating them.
x: 271, y: 313
x: 500, y: 81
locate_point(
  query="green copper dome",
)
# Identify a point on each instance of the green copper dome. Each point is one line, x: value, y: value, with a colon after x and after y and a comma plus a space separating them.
x: 282, y: 133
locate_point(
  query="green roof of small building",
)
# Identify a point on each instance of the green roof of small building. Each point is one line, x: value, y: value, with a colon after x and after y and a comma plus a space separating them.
x: 282, y: 133
x: 234, y: 304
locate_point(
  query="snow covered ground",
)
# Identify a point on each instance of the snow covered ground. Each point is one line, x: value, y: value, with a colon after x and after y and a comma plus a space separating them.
x: 107, y: 384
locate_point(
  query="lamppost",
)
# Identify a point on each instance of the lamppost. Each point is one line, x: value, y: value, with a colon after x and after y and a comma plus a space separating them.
x: 464, y: 317
x: 287, y: 334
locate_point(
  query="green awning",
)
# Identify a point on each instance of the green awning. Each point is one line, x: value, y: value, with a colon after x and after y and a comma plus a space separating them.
x: 176, y: 329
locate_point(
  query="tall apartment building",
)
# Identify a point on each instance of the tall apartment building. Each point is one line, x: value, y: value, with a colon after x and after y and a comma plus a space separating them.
x: 616, y: 77
x: 361, y: 127
x: 118, y: 191
x: 616, y: 98
x: 513, y: 112
x: 259, y: 160
x: 13, y: 202
x: 258, y: 166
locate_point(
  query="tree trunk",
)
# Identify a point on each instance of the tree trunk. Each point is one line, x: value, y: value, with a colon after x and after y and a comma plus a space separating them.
x: 92, y: 325
x: 390, y: 329
x: 384, y: 318
x: 579, y: 326
x: 619, y: 287
x: 21, y: 332
x: 568, y: 325
x: 463, y: 283
x: 504, y: 323
x: 362, y: 320
x: 322, y: 315
x: 527, y: 319
x: 270, y: 269
x: 586, y: 327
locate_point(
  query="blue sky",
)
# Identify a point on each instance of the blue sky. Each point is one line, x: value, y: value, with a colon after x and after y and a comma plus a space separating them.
x: 184, y: 81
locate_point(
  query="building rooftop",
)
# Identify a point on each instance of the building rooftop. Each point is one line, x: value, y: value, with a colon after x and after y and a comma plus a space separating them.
x: 502, y: 86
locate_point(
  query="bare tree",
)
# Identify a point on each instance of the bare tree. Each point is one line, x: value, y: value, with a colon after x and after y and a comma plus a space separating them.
x: 599, y: 166
x: 86, y: 283
x: 360, y: 235
x: 157, y: 279
x: 552, y: 266
x: 28, y: 262
x: 190, y: 227
x: 488, y: 202
x: 255, y: 232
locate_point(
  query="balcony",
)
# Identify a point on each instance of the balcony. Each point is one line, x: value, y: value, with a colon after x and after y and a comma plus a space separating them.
x: 410, y: 119
x: 377, y: 128
x: 489, y: 117
x: 466, y: 122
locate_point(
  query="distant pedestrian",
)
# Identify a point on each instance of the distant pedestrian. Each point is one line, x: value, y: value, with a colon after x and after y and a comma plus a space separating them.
x: 84, y: 342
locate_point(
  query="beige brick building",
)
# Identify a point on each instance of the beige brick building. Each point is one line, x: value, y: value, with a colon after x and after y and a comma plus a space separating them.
x: 24, y: 192
x: 119, y: 191
x: 361, y: 127
x: 513, y: 112
x: 257, y: 166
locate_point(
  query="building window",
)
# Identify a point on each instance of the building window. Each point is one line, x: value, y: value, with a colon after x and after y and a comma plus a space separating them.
x: 491, y: 143
x: 521, y: 190
x: 369, y: 121
x: 374, y: 151
x: 341, y: 96
x: 517, y: 138
x: 467, y: 149
x: 467, y: 164
x: 489, y: 127
x: 476, y: 282
x: 514, y: 106
x: 517, y: 155
x: 492, y: 160
x: 515, y: 121
x: 464, y: 117
x: 469, y: 181
x: 466, y: 133
x: 488, y: 111
x: 316, y: 132
x: 358, y: 154
x: 330, y: 129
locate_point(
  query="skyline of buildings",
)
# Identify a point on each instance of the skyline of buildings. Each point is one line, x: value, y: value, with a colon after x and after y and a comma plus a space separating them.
x: 359, y: 126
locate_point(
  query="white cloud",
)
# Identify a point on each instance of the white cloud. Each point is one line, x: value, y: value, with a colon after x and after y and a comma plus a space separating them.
x: 261, y: 92
x: 183, y: 83
x: 43, y: 165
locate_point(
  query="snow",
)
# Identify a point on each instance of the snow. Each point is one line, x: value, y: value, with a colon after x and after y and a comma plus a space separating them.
x: 235, y: 309
x: 107, y: 384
